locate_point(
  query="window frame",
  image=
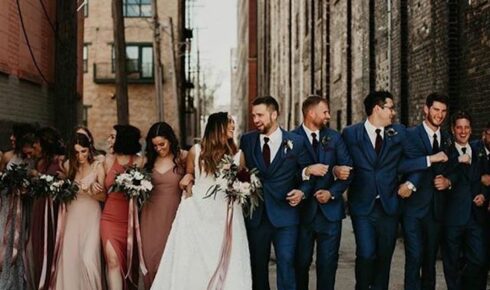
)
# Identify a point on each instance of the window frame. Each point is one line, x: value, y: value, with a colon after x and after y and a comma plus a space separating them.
x: 140, y: 46
x: 139, y: 4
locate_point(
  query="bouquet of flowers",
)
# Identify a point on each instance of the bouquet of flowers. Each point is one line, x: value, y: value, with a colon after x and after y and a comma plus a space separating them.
x: 242, y: 186
x: 64, y: 190
x: 16, y: 180
x: 135, y: 183
x: 40, y: 186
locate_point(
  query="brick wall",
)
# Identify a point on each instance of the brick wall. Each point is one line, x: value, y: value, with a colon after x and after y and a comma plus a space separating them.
x: 416, y: 47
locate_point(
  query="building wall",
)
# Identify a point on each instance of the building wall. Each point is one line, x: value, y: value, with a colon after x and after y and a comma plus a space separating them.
x: 99, y: 99
x: 24, y: 95
x: 411, y: 48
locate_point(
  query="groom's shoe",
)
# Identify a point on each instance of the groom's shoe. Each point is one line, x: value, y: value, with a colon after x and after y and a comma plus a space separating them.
x: 364, y: 273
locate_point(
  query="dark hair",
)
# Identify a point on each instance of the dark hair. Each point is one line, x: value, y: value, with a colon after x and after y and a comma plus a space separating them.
x: 89, y: 136
x: 20, y: 130
x: 127, y: 140
x: 460, y: 115
x: 164, y: 130
x: 215, y: 143
x: 435, y: 97
x: 84, y: 141
x: 51, y: 143
x: 376, y: 98
x: 310, y: 102
x: 268, y: 101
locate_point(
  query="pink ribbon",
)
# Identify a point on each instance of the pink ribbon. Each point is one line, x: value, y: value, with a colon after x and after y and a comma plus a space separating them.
x: 60, y: 233
x: 217, y: 281
x: 44, y: 270
x: 134, y: 225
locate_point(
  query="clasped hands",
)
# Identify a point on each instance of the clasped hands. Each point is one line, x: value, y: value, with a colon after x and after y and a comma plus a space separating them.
x: 186, y: 184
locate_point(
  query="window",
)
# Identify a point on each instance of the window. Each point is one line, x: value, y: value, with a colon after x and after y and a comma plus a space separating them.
x: 139, y: 60
x: 85, y: 58
x: 137, y: 8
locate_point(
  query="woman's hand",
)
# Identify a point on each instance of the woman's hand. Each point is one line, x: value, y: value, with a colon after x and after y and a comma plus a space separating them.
x: 185, y: 181
x: 96, y: 188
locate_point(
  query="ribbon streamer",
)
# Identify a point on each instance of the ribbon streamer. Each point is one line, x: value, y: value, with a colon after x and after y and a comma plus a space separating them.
x: 60, y: 233
x: 134, y: 227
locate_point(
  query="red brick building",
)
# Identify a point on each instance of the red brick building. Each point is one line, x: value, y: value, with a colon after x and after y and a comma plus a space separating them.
x: 28, y: 74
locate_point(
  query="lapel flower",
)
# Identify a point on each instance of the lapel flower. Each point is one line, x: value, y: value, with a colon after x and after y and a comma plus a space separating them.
x: 446, y: 143
x: 288, y: 145
x: 325, y: 140
x: 482, y: 154
x: 390, y: 132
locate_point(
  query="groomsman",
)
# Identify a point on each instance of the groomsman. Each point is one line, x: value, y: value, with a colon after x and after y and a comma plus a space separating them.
x: 464, y: 246
x: 376, y: 147
x: 280, y: 157
x: 321, y: 215
x: 423, y: 209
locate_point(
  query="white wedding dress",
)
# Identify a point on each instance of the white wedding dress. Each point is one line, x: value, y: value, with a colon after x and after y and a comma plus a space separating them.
x: 193, y: 249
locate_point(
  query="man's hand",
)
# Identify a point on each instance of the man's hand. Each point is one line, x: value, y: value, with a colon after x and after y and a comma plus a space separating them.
x: 323, y: 196
x: 485, y: 179
x: 342, y: 172
x: 318, y: 169
x: 404, y: 191
x: 438, y: 157
x: 465, y: 159
x: 441, y: 182
x: 294, y: 197
x: 479, y: 200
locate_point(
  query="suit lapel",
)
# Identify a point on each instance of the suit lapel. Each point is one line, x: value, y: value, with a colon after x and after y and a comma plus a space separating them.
x: 366, y: 145
x: 309, y: 146
x: 425, y: 138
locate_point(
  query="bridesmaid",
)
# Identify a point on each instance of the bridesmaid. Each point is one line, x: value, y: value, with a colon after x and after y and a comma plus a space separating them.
x: 48, y: 149
x: 98, y: 154
x: 114, y: 221
x: 166, y: 163
x: 18, y: 131
x: 79, y: 265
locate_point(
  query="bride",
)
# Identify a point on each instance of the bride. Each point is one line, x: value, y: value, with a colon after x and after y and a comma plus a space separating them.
x: 193, y: 256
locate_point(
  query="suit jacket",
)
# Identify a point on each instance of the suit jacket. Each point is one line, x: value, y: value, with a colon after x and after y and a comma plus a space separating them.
x: 282, y: 176
x: 466, y: 184
x: 376, y: 175
x: 426, y: 197
x: 331, y: 151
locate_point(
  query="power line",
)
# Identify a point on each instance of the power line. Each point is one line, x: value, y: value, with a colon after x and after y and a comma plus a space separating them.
x: 29, y: 44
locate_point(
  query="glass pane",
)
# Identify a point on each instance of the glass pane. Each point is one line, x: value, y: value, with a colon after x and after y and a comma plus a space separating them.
x: 133, y: 10
x: 146, y: 10
x: 85, y: 52
x: 146, y: 2
x: 147, y: 61
x: 132, y: 58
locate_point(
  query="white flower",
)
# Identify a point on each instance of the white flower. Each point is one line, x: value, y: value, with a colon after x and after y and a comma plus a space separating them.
x: 289, y: 143
x: 146, y: 184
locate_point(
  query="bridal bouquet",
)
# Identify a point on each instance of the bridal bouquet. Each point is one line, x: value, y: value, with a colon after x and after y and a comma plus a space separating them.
x: 135, y: 183
x: 40, y: 186
x: 16, y: 180
x: 242, y: 186
x: 45, y: 185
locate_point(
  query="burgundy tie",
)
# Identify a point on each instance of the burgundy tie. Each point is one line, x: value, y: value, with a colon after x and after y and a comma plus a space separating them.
x: 379, y: 141
x: 314, y: 142
x: 266, y: 152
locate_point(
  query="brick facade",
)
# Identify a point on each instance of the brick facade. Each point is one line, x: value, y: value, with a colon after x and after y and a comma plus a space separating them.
x: 409, y: 47
x: 99, y: 99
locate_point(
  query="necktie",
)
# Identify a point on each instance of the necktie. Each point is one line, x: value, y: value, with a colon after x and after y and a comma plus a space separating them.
x: 266, y: 152
x: 315, y: 142
x: 435, y: 144
x: 379, y: 141
x: 463, y: 149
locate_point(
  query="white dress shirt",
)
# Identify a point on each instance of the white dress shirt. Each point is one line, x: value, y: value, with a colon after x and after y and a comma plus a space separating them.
x: 460, y: 151
x: 308, y: 134
x: 430, y: 134
x: 275, y: 141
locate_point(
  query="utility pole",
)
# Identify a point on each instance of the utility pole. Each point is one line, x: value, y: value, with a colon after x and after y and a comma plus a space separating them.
x: 157, y: 63
x: 120, y: 67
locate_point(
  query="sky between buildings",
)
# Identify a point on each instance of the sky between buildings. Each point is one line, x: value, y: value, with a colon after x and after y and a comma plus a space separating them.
x: 216, y: 35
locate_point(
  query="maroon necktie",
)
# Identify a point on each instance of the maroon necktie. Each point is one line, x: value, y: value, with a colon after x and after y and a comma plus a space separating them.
x: 266, y: 152
x: 379, y: 141
x: 314, y: 142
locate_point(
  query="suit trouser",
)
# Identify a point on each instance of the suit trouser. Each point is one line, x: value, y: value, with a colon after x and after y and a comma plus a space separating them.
x: 422, y: 238
x: 467, y: 242
x: 284, y: 240
x: 375, y: 236
x: 327, y: 236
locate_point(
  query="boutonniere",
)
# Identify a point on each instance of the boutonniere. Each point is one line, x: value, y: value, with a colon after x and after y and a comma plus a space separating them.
x: 288, y: 145
x: 447, y: 142
x: 482, y: 153
x: 325, y: 140
x: 390, y: 132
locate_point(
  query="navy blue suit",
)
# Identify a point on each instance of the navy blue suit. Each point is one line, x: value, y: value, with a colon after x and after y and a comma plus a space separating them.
x: 465, y: 224
x: 322, y: 222
x: 422, y: 214
x: 373, y: 201
x: 275, y: 220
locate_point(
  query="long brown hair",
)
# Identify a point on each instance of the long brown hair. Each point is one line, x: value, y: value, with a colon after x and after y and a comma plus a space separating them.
x: 83, y: 141
x: 215, y: 143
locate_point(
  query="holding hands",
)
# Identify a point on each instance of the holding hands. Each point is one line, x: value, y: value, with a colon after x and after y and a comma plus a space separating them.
x: 294, y: 197
x: 186, y: 184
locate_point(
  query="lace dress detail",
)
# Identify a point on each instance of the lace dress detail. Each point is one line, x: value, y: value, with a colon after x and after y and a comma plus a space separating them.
x: 194, y: 244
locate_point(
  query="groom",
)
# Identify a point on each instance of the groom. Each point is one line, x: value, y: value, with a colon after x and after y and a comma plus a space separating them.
x: 280, y: 157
